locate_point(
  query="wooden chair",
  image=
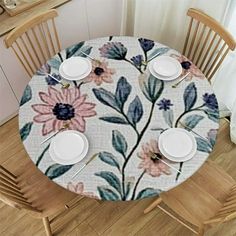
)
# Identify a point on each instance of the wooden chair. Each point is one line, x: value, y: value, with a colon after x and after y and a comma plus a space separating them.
x: 205, y: 199
x: 33, y: 192
x: 207, y: 42
x: 35, y: 41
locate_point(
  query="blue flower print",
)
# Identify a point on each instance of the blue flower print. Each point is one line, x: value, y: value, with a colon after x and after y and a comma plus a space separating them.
x: 210, y: 101
x: 146, y: 44
x: 164, y: 104
x: 113, y: 50
x: 137, y: 60
x: 51, y: 81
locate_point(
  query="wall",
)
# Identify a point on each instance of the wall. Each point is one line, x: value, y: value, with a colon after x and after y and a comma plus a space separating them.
x: 78, y: 20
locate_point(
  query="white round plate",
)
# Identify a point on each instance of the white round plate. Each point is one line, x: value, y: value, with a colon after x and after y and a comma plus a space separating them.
x: 75, y: 68
x: 176, y: 70
x: 177, y: 144
x: 68, y: 147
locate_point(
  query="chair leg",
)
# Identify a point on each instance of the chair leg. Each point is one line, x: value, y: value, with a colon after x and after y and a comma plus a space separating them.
x: 201, y: 231
x: 47, y: 226
x: 153, y: 205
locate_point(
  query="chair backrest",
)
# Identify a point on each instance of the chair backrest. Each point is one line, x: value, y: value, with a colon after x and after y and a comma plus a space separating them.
x: 11, y: 193
x: 227, y: 211
x: 35, y: 41
x: 207, y: 42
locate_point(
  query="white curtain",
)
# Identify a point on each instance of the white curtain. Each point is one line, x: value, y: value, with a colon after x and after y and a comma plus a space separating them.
x: 226, y: 76
x: 165, y: 21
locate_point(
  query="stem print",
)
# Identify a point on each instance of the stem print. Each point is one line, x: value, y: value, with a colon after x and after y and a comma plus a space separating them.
x: 117, y: 51
x: 152, y: 89
x: 209, y: 107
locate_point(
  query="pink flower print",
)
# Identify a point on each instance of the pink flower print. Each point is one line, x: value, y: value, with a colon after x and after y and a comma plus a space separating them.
x: 188, y: 66
x: 113, y: 50
x: 149, y: 163
x: 66, y: 106
x: 79, y: 189
x: 100, y: 73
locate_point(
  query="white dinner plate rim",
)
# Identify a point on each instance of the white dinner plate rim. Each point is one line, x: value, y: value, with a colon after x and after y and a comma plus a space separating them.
x: 164, y: 78
x: 168, y: 58
x: 70, y: 78
x: 75, y: 160
x: 178, y: 159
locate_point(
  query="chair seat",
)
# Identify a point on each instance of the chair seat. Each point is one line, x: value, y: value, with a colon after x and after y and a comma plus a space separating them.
x: 44, y: 194
x: 201, y: 196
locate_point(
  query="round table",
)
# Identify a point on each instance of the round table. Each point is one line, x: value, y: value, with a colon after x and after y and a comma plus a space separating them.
x: 122, y: 109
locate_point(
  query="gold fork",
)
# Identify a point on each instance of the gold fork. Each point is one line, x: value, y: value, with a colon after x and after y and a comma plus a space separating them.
x: 155, y: 156
x: 65, y: 126
x: 65, y: 86
x: 92, y: 58
x: 182, y: 79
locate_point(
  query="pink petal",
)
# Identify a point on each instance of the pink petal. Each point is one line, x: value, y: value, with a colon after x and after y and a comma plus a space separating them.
x: 47, y: 127
x: 71, y: 187
x: 88, y: 79
x: 58, y: 124
x: 154, y: 173
x: 43, y: 118
x: 42, y: 108
x: 67, y: 95
x: 55, y: 94
x: 98, y: 81
x: 75, y: 94
x: 85, y: 106
x: 79, y: 187
x: 45, y: 98
x: 79, y: 101
x: 145, y: 148
x: 107, y: 79
x: 78, y: 123
x: 86, y: 113
x: 111, y: 71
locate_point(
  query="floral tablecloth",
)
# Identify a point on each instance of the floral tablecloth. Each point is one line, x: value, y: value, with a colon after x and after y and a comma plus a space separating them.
x: 122, y: 109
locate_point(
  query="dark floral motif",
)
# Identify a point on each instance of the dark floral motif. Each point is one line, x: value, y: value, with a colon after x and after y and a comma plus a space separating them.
x: 137, y: 60
x: 152, y: 89
x: 25, y: 131
x: 117, y: 51
x: 100, y: 73
x: 164, y: 104
x: 150, y: 155
x: 55, y: 170
x: 64, y: 111
x: 146, y: 44
x: 27, y: 95
x: 51, y: 81
x: 44, y: 70
x: 186, y: 65
x: 113, y: 50
x: 60, y: 107
x: 210, y: 101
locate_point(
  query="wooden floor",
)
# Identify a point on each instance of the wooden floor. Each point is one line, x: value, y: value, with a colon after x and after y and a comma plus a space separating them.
x: 92, y: 218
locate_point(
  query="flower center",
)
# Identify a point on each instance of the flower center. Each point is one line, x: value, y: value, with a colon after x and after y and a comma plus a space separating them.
x: 155, y: 157
x: 186, y: 65
x: 63, y: 111
x: 98, y: 71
